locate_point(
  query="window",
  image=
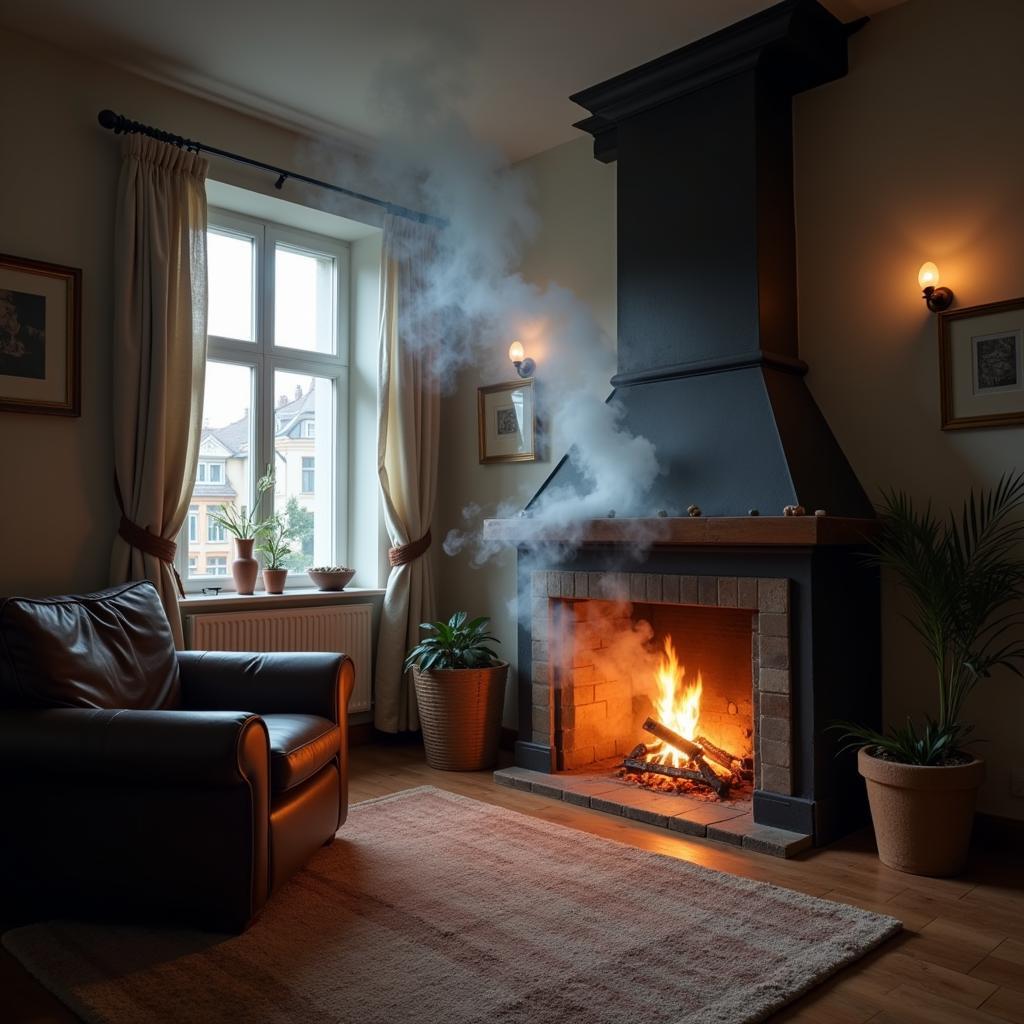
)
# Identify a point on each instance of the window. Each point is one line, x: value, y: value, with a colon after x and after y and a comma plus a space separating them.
x: 276, y: 389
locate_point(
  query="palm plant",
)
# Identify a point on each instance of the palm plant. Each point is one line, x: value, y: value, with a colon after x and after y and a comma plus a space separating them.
x: 243, y: 525
x: 965, y: 578
x: 454, y: 644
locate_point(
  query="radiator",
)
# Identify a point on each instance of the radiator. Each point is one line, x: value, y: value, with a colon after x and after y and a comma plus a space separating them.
x: 341, y: 628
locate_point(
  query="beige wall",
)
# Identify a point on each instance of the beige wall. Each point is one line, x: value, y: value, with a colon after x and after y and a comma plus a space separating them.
x: 575, y: 201
x: 915, y: 156
x: 58, y: 178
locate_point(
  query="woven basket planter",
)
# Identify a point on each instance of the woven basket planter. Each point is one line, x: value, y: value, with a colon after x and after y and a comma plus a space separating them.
x: 460, y: 712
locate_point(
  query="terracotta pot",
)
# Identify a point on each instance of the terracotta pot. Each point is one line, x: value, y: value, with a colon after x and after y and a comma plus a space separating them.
x: 244, y: 569
x: 460, y: 712
x: 273, y: 580
x: 922, y: 815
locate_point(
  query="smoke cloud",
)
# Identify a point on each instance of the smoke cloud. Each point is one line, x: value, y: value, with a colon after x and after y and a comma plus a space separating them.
x: 473, y: 288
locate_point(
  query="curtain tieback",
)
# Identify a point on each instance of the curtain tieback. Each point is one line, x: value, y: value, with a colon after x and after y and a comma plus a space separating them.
x: 151, y: 544
x: 406, y: 553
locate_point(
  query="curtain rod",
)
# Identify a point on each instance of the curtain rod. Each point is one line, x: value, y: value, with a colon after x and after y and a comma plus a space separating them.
x: 121, y: 125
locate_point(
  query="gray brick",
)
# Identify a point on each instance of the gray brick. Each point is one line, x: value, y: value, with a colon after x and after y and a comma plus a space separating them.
x: 774, y: 752
x: 689, y: 590
x: 774, y: 705
x: 600, y: 803
x: 637, y: 586
x: 731, y: 831
x: 679, y: 823
x: 774, y: 680
x: 540, y: 718
x: 776, y: 842
x: 543, y: 789
x: 653, y: 586
x: 746, y: 592
x: 708, y: 590
x: 774, y: 651
x: 670, y: 589
x: 775, y: 779
x: 567, y: 584
x: 539, y: 584
x: 773, y: 595
x: 583, y: 584
x: 540, y: 650
x: 539, y: 674
x: 554, y: 584
x: 540, y: 695
x: 774, y: 729
x: 774, y: 624
x: 727, y: 593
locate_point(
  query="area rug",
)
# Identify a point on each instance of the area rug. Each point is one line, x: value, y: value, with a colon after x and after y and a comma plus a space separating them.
x: 432, y: 907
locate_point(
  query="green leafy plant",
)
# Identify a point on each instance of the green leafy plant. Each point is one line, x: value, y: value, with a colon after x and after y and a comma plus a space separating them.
x: 965, y: 578
x: 457, y: 643
x: 274, y: 545
x: 243, y: 525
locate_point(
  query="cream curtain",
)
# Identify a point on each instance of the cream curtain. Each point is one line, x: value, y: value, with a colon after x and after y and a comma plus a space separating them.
x: 409, y: 412
x: 159, y: 357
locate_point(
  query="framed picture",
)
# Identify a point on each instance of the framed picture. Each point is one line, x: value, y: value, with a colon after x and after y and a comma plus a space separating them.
x: 40, y: 337
x: 507, y: 422
x: 981, y: 364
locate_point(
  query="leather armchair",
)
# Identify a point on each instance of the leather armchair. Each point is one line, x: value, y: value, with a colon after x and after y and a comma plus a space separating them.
x: 142, y: 783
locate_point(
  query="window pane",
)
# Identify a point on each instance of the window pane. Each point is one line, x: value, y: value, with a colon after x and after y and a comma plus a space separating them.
x: 304, y: 466
x: 230, y: 262
x: 224, y: 476
x: 303, y: 299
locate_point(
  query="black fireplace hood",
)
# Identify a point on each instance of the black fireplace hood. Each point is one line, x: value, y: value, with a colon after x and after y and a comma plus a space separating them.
x: 708, y: 363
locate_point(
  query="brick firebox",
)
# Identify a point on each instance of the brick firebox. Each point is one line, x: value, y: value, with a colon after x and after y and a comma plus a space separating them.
x: 586, y: 716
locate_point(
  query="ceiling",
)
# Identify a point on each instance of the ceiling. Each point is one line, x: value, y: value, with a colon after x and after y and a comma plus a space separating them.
x: 331, y: 66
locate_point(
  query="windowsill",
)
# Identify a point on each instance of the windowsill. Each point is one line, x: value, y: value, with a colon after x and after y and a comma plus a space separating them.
x: 296, y: 597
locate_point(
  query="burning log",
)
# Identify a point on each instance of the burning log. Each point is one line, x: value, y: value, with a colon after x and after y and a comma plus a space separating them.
x: 673, y: 739
x: 724, y: 758
x: 702, y: 773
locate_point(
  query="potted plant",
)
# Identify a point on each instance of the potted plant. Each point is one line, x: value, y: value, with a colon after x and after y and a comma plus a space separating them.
x: 275, y: 549
x: 965, y: 578
x: 460, y: 690
x: 244, y: 527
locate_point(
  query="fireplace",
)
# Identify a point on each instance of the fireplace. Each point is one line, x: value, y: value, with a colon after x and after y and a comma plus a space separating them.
x: 749, y: 550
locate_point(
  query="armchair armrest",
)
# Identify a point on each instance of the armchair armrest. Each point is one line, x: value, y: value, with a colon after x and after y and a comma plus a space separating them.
x: 267, y: 684
x: 221, y: 748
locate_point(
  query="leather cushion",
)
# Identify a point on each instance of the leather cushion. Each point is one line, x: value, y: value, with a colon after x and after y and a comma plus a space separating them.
x: 111, y: 649
x: 300, y: 745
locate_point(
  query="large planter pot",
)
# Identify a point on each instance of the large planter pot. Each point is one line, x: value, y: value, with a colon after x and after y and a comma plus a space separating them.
x: 460, y: 712
x: 244, y: 569
x: 922, y: 815
x: 274, y: 580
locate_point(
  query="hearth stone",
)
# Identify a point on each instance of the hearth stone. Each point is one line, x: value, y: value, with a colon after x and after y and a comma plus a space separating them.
x: 722, y: 821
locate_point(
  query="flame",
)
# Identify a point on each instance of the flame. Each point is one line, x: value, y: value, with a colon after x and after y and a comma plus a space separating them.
x: 678, y: 705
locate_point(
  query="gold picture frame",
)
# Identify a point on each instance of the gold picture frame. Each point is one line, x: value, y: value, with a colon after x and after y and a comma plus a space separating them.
x: 40, y: 337
x: 507, y: 422
x: 981, y: 365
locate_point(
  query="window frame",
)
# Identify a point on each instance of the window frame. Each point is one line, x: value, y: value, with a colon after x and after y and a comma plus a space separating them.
x: 263, y: 357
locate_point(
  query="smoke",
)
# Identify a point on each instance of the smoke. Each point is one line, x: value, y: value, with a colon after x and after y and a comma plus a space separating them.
x: 474, y: 299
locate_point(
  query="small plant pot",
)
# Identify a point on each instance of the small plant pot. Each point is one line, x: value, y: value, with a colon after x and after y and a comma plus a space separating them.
x: 274, y: 579
x: 460, y: 712
x: 245, y: 569
x: 922, y: 815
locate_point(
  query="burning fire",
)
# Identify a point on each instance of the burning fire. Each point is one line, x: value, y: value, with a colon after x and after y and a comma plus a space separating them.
x: 678, y: 706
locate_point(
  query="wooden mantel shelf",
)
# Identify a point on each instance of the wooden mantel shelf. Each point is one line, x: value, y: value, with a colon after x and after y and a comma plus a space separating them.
x: 731, y: 531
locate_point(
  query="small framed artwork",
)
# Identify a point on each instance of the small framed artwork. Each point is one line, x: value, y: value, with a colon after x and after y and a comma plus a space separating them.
x: 40, y: 337
x: 507, y: 422
x: 981, y: 364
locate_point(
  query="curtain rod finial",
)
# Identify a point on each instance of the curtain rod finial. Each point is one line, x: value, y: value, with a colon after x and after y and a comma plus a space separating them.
x: 108, y: 119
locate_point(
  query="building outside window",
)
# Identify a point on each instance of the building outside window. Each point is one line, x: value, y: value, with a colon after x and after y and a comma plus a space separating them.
x: 276, y: 387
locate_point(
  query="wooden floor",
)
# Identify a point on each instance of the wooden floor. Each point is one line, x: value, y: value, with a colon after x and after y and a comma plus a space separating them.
x: 960, y: 959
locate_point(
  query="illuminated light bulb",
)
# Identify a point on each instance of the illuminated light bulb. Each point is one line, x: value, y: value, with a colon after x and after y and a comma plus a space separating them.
x: 516, y: 352
x: 928, y: 275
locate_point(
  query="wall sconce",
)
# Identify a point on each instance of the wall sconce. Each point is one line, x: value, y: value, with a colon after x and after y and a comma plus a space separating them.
x: 524, y: 367
x: 937, y: 299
